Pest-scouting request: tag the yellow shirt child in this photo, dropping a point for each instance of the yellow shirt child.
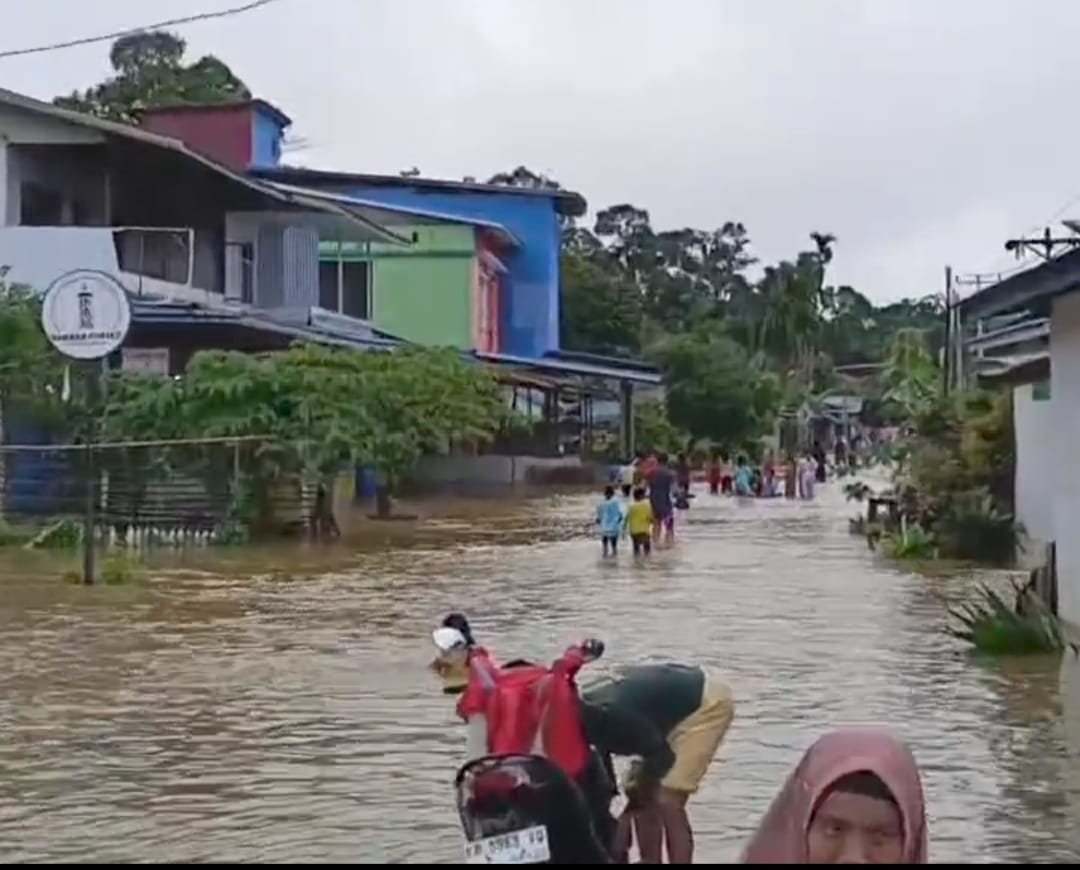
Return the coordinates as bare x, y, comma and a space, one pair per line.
639, 517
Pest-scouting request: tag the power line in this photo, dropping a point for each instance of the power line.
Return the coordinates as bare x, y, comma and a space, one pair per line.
158, 25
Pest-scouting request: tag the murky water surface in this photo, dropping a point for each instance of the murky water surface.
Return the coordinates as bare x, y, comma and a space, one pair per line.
275, 707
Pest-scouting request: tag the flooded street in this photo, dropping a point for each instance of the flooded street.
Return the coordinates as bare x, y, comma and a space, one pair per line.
289, 716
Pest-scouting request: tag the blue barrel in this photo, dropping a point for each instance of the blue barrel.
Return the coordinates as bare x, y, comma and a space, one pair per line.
366, 481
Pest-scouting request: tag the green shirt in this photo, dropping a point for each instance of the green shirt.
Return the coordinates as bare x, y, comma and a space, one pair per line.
633, 712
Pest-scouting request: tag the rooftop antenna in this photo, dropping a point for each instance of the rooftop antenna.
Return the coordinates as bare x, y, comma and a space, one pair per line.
292, 144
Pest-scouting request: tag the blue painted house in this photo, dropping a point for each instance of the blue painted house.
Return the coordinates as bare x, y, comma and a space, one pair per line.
491, 289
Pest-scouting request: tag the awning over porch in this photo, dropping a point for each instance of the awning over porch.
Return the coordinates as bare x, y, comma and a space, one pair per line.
1030, 368
599, 368
310, 327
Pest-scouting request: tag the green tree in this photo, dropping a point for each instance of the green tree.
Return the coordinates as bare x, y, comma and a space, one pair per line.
711, 390
321, 409
151, 73
600, 309
910, 377
654, 431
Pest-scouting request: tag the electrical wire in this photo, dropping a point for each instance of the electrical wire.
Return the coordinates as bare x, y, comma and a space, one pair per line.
158, 25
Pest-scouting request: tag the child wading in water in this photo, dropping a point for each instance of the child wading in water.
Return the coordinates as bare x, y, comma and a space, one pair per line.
609, 517
639, 522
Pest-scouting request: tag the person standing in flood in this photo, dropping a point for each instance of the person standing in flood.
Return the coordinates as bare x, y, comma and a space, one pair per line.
682, 476
744, 477
609, 519
661, 484
646, 465
791, 476
639, 521
715, 474
818, 453
807, 471
627, 473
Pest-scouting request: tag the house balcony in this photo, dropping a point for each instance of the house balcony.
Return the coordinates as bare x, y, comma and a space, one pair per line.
168, 225
153, 262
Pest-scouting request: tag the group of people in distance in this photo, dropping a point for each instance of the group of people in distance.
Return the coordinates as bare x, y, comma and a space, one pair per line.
651, 490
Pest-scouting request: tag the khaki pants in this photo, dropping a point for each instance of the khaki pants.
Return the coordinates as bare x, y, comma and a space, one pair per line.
697, 738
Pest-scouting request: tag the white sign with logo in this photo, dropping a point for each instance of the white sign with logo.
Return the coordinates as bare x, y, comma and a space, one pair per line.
86, 314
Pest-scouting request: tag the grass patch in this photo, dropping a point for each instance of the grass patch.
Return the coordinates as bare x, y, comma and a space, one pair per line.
991, 625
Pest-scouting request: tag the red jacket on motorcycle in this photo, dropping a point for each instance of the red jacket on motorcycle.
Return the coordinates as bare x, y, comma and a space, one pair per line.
529, 709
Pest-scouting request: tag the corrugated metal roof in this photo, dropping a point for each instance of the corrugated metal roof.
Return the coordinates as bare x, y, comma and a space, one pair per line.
190, 314
567, 201
577, 368
603, 360
1028, 290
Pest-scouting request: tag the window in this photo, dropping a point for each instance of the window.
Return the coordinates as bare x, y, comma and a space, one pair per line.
247, 272
344, 287
328, 284
354, 289
40, 206
1040, 392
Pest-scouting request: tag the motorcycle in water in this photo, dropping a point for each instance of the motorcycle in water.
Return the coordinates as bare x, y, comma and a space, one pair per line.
522, 809
534, 791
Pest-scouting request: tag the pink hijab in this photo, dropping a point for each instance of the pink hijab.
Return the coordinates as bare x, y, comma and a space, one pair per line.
781, 836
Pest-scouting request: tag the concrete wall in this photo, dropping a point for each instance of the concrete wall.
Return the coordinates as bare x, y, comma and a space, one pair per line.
490, 472
1036, 474
223, 133
266, 135
1065, 404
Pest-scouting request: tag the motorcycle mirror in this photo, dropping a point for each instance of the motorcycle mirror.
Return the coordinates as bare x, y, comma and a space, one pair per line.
448, 639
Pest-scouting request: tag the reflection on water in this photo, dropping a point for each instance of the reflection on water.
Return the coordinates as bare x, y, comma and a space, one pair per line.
275, 706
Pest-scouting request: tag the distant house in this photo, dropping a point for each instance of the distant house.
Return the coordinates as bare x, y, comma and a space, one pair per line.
1024, 334
480, 272
209, 256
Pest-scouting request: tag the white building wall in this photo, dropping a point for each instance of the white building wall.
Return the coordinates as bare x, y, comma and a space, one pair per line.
3, 182
18, 127
1065, 459
1033, 420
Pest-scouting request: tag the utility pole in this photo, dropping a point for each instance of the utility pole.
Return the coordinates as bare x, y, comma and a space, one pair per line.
1046, 246
947, 367
976, 280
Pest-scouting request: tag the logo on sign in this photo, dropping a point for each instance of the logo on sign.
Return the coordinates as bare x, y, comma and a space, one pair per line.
86, 314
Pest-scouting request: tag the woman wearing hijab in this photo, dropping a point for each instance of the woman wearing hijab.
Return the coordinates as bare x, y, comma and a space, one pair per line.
855, 798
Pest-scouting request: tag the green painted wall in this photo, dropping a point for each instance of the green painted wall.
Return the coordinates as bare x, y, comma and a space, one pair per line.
424, 299
420, 293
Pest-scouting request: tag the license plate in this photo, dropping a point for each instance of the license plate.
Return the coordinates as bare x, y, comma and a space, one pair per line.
529, 846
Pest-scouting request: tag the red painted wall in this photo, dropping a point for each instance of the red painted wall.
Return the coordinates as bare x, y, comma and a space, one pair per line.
489, 292
222, 133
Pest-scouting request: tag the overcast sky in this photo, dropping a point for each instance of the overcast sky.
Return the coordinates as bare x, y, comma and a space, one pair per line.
920, 133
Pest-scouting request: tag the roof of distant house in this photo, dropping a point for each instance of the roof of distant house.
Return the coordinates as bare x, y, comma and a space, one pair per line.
378, 211
567, 202
255, 103
1027, 291
127, 131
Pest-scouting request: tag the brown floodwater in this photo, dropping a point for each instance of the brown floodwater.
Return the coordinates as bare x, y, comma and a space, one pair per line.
274, 705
